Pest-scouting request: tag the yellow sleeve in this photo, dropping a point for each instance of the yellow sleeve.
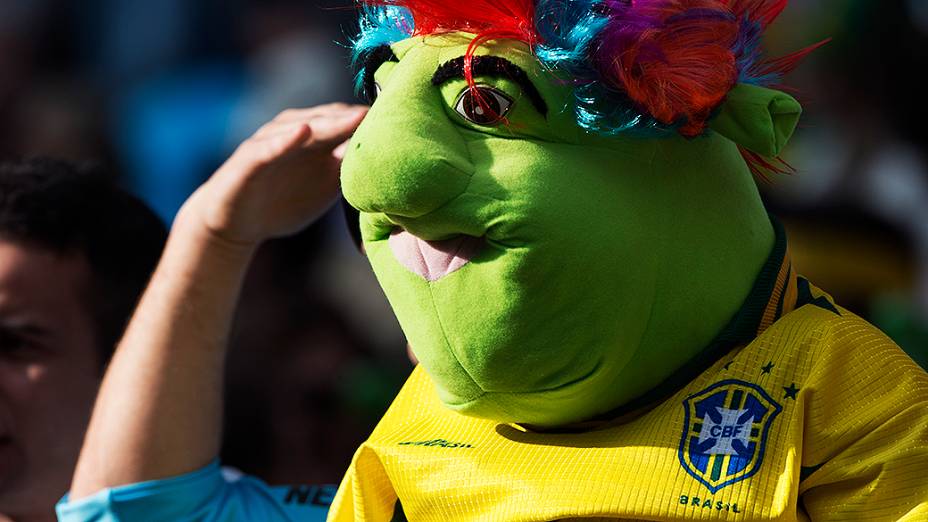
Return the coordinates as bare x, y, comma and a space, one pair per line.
378, 500
865, 453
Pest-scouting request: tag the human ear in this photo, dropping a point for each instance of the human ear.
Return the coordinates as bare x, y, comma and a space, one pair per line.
759, 119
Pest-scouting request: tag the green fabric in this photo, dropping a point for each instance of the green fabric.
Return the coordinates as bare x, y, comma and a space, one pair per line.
610, 262
759, 119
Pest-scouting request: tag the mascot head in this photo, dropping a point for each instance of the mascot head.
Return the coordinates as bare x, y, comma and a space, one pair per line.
557, 195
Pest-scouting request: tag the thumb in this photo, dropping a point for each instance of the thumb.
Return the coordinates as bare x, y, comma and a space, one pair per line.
339, 152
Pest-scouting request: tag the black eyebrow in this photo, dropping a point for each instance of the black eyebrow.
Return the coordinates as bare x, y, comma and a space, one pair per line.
372, 61
494, 67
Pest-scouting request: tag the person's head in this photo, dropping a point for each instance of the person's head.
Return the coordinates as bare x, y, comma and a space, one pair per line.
75, 254
557, 208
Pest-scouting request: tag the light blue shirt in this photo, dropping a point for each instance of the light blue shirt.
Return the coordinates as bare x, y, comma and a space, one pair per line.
211, 494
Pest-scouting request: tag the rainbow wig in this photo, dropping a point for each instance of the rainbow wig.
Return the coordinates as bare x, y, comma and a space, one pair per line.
652, 67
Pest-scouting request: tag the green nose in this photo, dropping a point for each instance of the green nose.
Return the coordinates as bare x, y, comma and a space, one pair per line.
407, 158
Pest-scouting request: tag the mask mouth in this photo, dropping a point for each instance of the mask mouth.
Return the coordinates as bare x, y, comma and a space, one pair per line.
433, 260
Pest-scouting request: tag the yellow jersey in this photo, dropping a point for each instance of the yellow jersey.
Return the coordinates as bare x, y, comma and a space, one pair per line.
799, 411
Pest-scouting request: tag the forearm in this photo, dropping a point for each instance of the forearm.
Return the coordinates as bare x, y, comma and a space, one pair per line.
159, 409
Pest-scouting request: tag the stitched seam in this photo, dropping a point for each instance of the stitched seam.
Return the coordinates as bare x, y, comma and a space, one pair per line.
447, 341
441, 325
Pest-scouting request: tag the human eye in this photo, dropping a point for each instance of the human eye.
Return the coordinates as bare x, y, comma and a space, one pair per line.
483, 105
16, 346
11, 343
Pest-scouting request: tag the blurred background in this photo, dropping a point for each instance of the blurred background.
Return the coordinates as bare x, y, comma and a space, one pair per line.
161, 92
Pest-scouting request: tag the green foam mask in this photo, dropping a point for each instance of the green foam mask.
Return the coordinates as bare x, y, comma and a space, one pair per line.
542, 274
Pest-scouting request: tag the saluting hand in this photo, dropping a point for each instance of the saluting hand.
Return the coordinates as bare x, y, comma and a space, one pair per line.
279, 180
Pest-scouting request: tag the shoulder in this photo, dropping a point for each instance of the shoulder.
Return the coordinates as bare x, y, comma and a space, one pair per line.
827, 334
845, 364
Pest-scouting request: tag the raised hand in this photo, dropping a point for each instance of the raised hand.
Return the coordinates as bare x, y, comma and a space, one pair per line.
159, 411
279, 180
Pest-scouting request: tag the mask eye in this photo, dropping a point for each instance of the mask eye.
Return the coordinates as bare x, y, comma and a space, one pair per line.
494, 107
372, 92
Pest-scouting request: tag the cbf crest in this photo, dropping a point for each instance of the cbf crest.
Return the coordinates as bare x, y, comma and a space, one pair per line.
725, 432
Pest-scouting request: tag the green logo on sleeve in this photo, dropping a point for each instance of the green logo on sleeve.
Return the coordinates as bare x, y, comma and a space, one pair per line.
437, 442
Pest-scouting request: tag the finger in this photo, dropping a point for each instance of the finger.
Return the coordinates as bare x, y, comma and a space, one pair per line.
288, 118
292, 115
339, 152
274, 131
292, 140
331, 132
303, 114
277, 127
266, 150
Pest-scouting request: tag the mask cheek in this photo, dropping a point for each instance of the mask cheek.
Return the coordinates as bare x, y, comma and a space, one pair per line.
414, 304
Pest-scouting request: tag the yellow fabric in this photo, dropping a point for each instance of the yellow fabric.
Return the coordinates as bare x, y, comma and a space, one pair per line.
852, 445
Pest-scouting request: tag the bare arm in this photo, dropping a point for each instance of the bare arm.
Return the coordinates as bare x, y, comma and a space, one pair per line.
159, 410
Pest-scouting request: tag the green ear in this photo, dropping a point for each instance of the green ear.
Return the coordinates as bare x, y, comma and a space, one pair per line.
759, 119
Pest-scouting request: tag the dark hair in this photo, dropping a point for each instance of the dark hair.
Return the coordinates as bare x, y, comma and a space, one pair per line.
74, 210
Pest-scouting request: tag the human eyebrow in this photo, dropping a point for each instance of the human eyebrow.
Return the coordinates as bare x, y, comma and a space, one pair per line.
372, 61
23, 326
494, 67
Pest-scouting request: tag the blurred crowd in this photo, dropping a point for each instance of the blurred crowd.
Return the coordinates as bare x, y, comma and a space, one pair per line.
857, 209
161, 92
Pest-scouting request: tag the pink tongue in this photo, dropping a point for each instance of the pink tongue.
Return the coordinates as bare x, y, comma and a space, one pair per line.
433, 259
